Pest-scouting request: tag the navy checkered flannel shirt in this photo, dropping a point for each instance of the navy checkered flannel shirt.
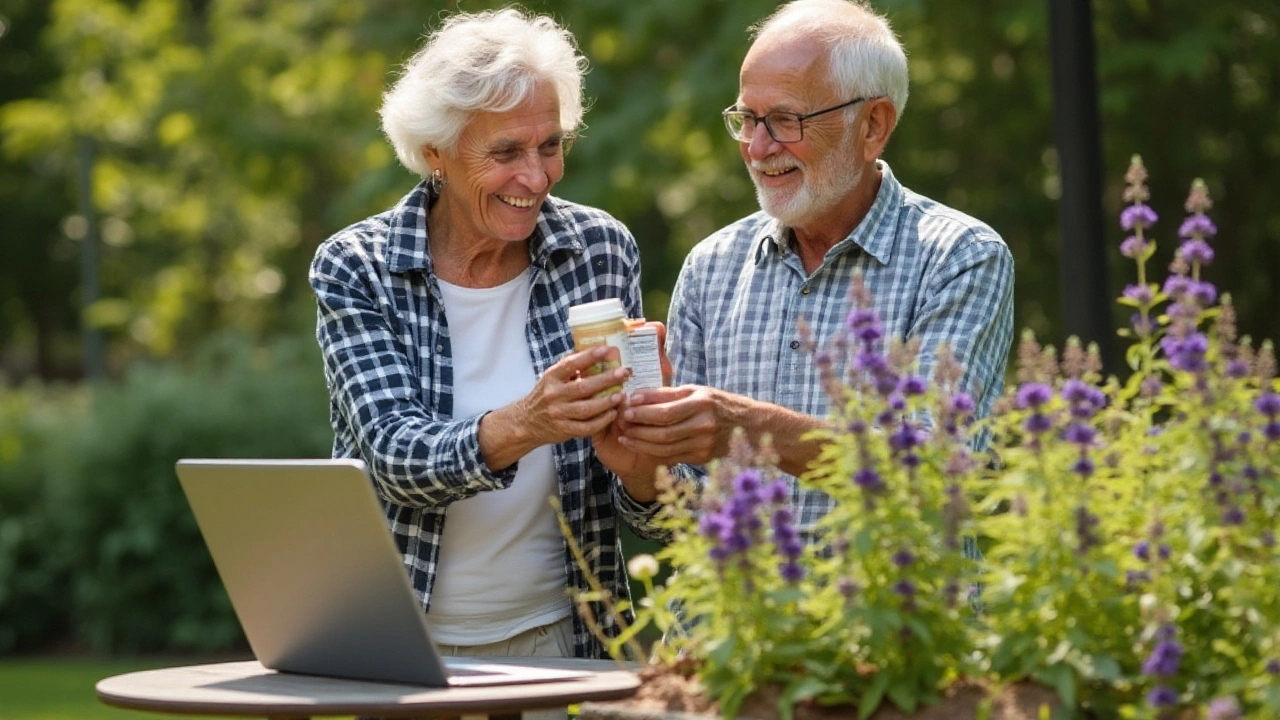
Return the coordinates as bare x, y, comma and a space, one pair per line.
388, 363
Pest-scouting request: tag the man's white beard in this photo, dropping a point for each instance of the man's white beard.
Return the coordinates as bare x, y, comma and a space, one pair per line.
823, 188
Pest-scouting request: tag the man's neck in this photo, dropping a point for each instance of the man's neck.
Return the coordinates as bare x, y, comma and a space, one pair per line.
812, 240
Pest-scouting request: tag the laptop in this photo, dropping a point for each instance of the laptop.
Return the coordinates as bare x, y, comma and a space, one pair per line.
314, 576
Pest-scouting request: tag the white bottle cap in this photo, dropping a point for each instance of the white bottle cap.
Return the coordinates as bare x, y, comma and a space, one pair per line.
598, 311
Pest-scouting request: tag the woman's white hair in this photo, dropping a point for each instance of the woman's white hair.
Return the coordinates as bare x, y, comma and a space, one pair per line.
865, 57
479, 62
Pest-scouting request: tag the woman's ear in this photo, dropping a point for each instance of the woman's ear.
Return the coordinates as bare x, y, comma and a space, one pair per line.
432, 156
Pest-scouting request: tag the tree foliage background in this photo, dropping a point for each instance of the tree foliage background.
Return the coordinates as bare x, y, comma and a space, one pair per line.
234, 135
229, 137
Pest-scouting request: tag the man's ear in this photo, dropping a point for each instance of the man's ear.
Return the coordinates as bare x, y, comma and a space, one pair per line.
881, 117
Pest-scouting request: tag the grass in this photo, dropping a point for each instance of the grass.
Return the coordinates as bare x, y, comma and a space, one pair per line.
62, 689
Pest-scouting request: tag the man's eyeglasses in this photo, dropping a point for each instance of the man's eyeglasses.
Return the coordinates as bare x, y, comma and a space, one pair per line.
785, 127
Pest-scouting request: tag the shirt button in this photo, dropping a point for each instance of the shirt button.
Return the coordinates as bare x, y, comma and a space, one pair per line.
795, 344
804, 290
439, 348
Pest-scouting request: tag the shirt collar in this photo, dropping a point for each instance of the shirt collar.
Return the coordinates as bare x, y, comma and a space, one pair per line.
869, 234
407, 242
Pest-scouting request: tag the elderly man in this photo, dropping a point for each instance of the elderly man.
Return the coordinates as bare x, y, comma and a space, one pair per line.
821, 89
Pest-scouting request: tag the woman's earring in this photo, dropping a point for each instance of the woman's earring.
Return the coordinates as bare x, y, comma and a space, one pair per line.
437, 181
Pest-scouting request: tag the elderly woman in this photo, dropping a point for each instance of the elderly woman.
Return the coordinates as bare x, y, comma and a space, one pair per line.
450, 365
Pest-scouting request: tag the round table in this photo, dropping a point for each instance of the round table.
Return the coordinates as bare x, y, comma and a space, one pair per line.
249, 689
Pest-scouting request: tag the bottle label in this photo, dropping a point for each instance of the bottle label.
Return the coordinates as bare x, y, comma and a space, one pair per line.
646, 360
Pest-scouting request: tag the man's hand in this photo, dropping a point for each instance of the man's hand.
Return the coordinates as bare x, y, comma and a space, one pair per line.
686, 424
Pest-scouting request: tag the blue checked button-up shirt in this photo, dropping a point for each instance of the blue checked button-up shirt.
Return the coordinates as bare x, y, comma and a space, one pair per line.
388, 363
936, 274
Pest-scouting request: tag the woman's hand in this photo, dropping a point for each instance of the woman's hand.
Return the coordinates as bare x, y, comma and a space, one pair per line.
563, 404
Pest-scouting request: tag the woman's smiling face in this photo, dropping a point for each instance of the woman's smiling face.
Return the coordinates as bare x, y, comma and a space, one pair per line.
502, 169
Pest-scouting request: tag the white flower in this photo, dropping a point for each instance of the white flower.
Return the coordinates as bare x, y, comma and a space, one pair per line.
642, 567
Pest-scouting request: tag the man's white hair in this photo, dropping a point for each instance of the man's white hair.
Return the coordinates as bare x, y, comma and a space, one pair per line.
865, 57
479, 62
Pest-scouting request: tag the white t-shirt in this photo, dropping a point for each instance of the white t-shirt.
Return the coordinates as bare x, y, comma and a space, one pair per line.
502, 557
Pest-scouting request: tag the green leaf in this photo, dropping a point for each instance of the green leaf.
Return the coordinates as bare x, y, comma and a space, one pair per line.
874, 695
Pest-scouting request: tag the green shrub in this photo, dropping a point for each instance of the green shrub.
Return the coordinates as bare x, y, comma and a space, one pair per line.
104, 539
34, 601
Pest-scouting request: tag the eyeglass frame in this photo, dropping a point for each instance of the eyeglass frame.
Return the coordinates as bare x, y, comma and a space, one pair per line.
768, 126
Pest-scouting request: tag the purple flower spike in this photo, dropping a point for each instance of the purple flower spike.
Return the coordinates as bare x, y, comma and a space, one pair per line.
1196, 251
1139, 216
776, 492
1197, 226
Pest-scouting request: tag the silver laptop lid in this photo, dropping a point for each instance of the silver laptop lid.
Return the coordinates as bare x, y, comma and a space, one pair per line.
315, 578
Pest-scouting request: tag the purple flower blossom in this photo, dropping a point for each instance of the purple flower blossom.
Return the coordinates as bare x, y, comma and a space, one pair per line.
1197, 226
905, 588
791, 572
1151, 386
906, 437
1196, 252
1237, 368
1273, 667
776, 492
871, 362
1268, 404
1139, 216
1037, 424
1079, 434
1033, 395
1233, 515
1133, 247
1162, 697
1175, 286
1203, 293
1164, 660
868, 479
847, 587
1084, 467
747, 482
1142, 550
912, 385
904, 558
1187, 353
1223, 708
1133, 579
1271, 430
1140, 294
961, 403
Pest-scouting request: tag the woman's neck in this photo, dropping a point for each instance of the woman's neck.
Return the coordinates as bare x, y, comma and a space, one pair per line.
468, 261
